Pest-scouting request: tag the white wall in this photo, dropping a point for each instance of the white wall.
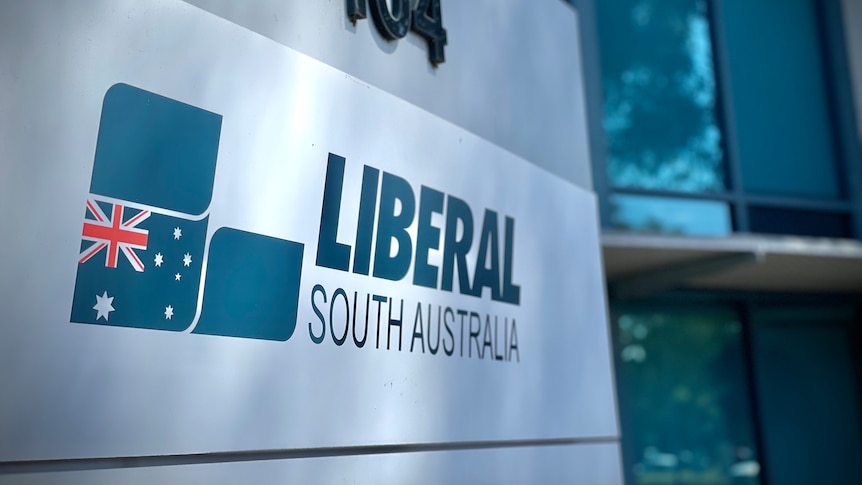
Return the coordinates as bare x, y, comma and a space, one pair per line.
512, 73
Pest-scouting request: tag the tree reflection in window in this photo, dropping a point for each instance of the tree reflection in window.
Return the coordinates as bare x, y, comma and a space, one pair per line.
659, 95
684, 401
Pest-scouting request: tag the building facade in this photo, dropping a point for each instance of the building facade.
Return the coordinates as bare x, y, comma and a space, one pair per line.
726, 156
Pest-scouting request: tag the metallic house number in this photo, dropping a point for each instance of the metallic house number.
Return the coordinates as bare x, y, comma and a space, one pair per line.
394, 23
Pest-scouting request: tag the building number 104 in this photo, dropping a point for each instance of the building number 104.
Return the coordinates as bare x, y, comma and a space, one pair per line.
394, 23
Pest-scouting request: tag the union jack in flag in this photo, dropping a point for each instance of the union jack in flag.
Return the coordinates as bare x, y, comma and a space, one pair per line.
155, 211
115, 234
150, 210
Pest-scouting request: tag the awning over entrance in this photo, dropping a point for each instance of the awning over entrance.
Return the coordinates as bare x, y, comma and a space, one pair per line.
640, 264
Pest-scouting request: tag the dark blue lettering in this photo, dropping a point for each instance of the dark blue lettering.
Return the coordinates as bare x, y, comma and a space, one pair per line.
511, 292
427, 237
315, 338
394, 226
484, 276
330, 253
365, 222
455, 250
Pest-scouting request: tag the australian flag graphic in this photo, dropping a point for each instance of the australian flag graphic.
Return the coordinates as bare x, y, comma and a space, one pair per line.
143, 238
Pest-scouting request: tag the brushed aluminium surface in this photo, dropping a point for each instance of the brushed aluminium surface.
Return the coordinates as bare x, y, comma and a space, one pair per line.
73, 390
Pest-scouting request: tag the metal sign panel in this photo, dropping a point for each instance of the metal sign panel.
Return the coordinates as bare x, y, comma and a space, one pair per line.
212, 242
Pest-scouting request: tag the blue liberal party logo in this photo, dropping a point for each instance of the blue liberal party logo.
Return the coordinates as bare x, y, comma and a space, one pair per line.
144, 237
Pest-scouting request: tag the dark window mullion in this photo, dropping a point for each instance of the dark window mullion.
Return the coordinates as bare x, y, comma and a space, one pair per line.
726, 117
718, 196
798, 203
744, 310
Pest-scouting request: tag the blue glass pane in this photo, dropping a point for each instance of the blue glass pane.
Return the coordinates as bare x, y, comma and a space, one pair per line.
670, 216
809, 399
770, 220
659, 95
684, 404
779, 98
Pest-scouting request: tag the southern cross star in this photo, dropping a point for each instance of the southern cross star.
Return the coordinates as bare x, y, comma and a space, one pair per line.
103, 306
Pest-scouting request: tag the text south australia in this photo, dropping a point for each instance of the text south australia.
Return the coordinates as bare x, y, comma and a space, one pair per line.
388, 322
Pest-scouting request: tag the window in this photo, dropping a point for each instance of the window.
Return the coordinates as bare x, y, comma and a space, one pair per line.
778, 89
808, 390
683, 395
719, 117
659, 90
743, 391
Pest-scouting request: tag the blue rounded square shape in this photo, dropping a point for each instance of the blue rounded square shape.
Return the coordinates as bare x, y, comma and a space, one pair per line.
252, 286
155, 150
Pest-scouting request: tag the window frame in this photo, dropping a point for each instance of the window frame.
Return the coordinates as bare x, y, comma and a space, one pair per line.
840, 110
744, 304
